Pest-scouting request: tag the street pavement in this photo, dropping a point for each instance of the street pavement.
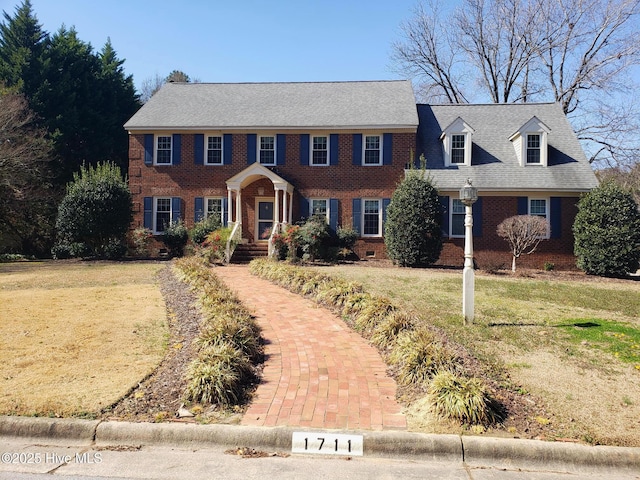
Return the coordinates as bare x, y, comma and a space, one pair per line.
171, 463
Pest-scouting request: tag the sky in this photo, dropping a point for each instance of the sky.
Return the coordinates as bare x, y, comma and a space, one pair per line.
237, 40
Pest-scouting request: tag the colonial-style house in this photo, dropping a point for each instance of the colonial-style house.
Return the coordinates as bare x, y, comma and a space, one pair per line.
264, 155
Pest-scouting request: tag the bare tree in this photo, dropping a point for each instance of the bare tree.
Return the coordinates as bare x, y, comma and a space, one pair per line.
152, 84
25, 195
574, 52
523, 233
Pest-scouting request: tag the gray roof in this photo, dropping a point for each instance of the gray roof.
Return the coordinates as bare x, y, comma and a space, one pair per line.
494, 165
374, 104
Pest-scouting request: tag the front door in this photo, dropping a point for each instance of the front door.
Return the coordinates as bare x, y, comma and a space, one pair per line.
264, 220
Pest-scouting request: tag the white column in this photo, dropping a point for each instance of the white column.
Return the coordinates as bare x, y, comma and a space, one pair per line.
468, 278
229, 209
276, 216
238, 206
285, 204
290, 207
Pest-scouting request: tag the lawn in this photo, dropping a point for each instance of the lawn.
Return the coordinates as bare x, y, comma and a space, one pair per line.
76, 336
569, 341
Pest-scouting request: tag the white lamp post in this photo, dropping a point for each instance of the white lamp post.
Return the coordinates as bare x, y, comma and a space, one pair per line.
468, 196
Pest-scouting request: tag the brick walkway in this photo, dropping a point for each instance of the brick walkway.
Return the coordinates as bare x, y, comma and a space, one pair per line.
318, 372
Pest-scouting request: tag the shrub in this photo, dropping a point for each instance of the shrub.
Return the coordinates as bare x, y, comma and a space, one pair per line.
314, 236
175, 238
215, 244
198, 234
466, 400
523, 233
412, 233
217, 375
94, 216
418, 355
607, 232
140, 239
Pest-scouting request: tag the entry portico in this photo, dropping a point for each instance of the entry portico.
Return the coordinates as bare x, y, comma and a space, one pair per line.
282, 201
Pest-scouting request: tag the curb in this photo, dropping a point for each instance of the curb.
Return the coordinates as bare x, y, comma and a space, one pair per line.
503, 453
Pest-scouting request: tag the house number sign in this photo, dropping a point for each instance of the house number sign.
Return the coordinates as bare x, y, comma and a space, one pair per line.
327, 443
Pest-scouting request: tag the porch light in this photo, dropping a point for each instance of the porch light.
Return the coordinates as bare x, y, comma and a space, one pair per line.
468, 196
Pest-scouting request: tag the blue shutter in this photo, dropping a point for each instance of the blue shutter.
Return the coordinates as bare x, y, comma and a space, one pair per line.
176, 209
304, 149
251, 148
556, 217
477, 218
176, 144
523, 205
227, 145
385, 205
281, 148
357, 149
333, 148
148, 212
304, 208
357, 214
199, 209
148, 149
444, 203
225, 213
387, 149
333, 214
198, 149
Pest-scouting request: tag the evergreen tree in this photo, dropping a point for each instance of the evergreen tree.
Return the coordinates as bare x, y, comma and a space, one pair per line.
412, 233
607, 232
94, 216
22, 43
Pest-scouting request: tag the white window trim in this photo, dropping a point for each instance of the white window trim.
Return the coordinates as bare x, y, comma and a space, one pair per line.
451, 213
206, 205
328, 202
362, 222
364, 144
155, 212
328, 137
275, 150
543, 149
155, 150
206, 149
547, 204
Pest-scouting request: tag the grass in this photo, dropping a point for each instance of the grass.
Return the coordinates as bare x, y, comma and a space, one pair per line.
76, 336
618, 339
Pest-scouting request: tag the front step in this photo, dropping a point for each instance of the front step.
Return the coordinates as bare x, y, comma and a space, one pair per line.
245, 252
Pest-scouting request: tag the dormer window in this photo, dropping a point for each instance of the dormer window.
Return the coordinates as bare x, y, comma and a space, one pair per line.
456, 143
530, 143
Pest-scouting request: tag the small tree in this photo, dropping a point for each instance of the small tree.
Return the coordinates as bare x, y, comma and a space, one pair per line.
412, 232
523, 233
607, 232
95, 214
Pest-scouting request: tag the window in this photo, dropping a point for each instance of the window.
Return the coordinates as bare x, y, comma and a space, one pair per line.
457, 217
539, 208
163, 150
372, 150
457, 149
162, 217
371, 218
214, 208
319, 206
267, 152
533, 149
214, 151
320, 151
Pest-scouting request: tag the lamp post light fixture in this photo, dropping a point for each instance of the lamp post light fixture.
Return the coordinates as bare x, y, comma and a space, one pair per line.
468, 196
